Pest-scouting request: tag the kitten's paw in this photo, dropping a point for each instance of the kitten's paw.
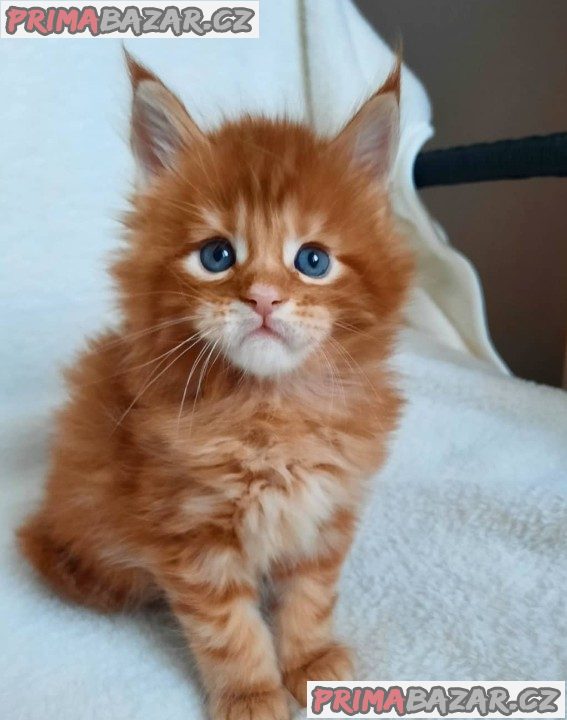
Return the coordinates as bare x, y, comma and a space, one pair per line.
271, 705
332, 663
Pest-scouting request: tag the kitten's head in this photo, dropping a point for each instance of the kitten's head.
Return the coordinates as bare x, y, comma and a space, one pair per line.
272, 243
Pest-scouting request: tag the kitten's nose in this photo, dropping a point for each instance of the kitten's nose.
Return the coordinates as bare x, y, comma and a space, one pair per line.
263, 299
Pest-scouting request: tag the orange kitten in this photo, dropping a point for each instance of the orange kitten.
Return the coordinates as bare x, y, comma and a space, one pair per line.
223, 435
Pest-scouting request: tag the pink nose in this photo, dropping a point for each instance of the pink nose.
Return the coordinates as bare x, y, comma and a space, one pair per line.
263, 299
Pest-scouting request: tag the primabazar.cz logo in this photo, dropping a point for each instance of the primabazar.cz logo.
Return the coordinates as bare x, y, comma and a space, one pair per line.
128, 18
372, 699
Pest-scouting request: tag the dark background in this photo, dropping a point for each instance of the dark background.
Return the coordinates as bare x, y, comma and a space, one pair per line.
497, 69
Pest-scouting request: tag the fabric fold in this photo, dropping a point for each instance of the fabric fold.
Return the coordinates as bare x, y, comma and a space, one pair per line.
344, 61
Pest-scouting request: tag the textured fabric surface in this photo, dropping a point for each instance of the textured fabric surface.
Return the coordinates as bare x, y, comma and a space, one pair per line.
459, 569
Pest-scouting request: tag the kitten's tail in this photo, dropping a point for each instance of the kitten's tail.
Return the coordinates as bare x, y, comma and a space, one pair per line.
78, 577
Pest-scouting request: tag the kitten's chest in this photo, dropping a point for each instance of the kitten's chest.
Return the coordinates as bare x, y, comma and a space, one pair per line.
277, 486
281, 512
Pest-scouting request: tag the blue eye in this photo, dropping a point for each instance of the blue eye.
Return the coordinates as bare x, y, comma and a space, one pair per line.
217, 255
312, 261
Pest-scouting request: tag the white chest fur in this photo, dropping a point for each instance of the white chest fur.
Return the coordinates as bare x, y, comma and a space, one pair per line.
275, 520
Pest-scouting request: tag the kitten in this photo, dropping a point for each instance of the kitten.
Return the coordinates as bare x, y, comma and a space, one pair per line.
224, 434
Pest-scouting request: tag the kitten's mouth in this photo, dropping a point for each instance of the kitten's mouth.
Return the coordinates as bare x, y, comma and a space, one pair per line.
268, 348
265, 332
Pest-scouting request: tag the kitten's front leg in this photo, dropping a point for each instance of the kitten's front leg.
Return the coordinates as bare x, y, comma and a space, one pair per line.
303, 619
217, 606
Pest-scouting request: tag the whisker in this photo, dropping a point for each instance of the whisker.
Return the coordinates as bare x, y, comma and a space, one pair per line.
346, 355
201, 377
147, 331
191, 372
343, 353
142, 365
241, 378
331, 376
151, 382
355, 330
337, 375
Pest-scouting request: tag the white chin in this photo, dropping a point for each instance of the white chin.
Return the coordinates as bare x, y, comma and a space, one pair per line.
265, 356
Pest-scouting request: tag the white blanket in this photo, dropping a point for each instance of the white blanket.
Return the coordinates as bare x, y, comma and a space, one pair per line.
460, 566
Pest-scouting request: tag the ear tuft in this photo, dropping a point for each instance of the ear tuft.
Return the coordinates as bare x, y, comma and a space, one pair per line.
136, 70
371, 137
393, 83
160, 125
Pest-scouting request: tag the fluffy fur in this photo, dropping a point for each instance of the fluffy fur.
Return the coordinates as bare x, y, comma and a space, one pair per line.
206, 447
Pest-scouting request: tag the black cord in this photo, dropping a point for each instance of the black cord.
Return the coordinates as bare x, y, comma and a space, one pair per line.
544, 156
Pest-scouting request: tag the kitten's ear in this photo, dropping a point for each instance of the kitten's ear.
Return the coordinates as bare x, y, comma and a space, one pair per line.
160, 124
371, 137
